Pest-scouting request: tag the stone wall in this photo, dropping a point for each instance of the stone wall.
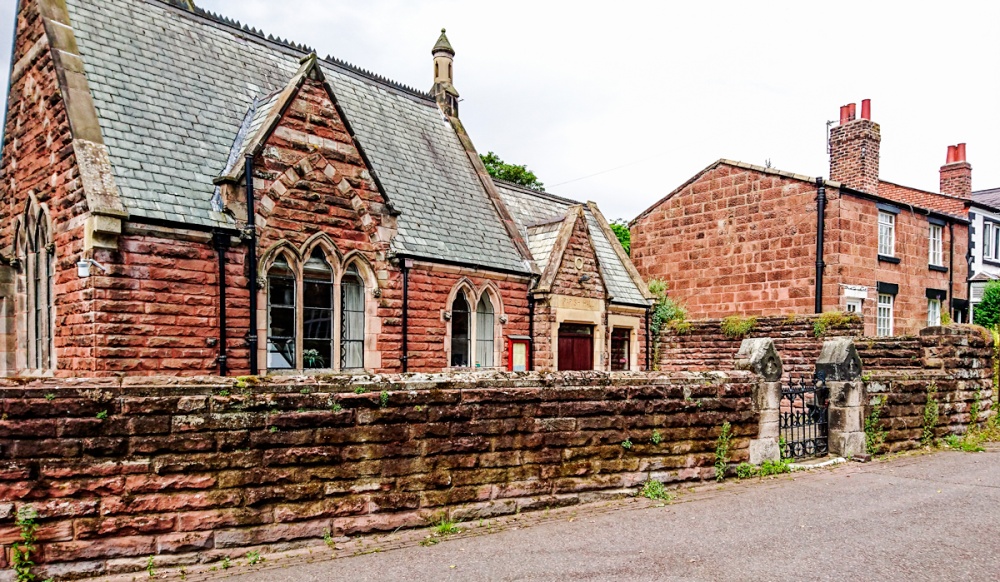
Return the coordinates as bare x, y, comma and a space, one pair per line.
190, 470
705, 347
953, 365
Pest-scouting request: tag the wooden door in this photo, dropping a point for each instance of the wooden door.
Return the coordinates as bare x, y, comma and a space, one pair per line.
576, 347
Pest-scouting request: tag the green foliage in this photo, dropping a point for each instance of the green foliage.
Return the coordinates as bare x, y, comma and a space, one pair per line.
336, 407
446, 527
226, 564
254, 558
50, 396
360, 390
656, 491
738, 326
931, 412
627, 444
987, 313
833, 320
620, 227
328, 539
20, 556
150, 563
102, 415
273, 429
312, 359
768, 468
722, 445
970, 443
513, 173
383, 399
657, 438
874, 431
665, 311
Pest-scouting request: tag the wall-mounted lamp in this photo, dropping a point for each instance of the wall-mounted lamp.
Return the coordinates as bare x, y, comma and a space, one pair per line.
83, 267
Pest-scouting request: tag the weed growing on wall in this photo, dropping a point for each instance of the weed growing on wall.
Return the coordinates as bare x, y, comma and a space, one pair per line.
738, 326
931, 412
874, 431
722, 445
833, 320
768, 468
20, 553
665, 311
656, 491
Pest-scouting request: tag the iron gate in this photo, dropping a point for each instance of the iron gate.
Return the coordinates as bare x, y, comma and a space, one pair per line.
804, 418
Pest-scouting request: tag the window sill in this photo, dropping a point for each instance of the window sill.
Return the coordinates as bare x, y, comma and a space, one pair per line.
938, 268
991, 262
887, 259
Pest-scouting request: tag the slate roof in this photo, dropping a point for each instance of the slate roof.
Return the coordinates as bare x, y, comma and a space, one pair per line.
535, 214
989, 197
173, 90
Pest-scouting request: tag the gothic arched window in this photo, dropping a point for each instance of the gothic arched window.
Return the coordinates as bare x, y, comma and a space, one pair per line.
352, 322
281, 323
484, 332
461, 331
39, 285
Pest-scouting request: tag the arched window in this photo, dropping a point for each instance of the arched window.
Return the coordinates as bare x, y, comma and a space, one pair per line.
281, 316
352, 323
40, 289
461, 331
437, 71
484, 332
317, 316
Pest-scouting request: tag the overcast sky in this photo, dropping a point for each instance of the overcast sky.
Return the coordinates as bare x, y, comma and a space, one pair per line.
621, 102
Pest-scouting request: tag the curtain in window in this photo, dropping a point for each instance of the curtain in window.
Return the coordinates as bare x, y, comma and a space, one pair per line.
484, 333
280, 316
352, 332
317, 317
460, 331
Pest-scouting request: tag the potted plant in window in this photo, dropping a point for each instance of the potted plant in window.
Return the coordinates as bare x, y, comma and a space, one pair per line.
312, 359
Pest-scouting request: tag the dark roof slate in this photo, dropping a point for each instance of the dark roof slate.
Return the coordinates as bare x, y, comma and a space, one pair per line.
173, 88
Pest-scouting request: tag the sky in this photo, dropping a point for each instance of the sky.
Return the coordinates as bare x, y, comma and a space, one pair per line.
622, 102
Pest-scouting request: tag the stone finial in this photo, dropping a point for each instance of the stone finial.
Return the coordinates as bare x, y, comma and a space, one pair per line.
443, 44
838, 360
759, 356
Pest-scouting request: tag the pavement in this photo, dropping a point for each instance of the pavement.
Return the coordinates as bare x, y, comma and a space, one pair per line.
915, 517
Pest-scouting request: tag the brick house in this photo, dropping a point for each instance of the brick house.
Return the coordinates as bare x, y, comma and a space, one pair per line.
984, 243
744, 239
368, 236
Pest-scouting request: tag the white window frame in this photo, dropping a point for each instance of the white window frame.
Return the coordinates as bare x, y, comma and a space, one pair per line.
935, 254
886, 234
855, 305
933, 312
884, 315
991, 241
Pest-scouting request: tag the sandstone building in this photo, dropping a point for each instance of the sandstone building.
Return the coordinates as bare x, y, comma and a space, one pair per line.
744, 239
183, 194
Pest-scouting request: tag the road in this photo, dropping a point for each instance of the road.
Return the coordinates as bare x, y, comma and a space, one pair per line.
923, 517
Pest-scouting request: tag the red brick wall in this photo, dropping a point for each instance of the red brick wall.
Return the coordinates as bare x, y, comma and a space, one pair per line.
38, 157
193, 472
733, 241
854, 154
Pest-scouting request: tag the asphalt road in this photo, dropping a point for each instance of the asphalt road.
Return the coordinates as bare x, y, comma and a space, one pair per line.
928, 517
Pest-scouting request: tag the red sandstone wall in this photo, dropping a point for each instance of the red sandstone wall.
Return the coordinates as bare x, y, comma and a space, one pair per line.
705, 348
853, 227
38, 157
733, 241
430, 286
214, 468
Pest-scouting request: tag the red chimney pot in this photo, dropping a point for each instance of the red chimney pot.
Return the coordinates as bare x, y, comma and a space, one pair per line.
866, 109
843, 114
951, 154
852, 111
960, 152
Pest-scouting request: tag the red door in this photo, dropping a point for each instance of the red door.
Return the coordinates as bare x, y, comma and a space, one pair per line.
576, 347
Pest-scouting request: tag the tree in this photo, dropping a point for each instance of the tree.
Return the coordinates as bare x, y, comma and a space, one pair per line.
624, 236
501, 170
987, 313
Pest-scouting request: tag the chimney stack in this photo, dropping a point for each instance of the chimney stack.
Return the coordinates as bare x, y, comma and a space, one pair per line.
444, 80
854, 149
956, 173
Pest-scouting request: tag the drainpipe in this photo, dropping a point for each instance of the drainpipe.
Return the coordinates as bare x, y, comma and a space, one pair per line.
252, 264
649, 347
820, 226
531, 325
407, 263
221, 244
951, 269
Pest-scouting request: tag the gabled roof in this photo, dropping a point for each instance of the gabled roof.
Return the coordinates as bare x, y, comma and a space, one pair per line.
173, 89
922, 199
540, 216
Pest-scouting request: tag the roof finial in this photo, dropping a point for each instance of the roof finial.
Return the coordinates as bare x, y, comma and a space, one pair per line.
443, 44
